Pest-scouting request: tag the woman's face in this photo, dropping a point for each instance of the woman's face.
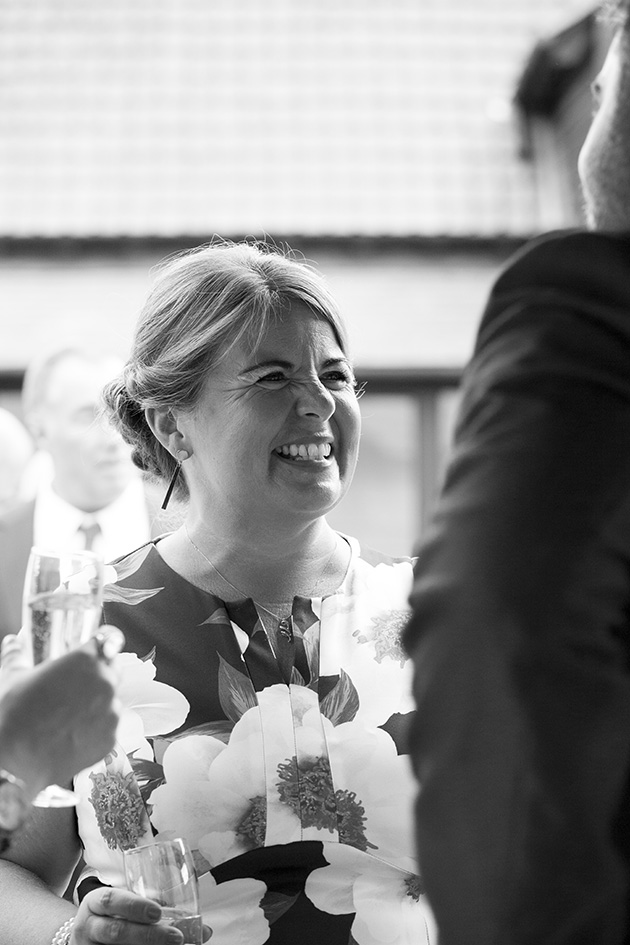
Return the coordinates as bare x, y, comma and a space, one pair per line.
275, 432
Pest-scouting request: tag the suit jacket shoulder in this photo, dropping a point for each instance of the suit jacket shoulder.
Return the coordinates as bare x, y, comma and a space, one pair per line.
560, 307
589, 271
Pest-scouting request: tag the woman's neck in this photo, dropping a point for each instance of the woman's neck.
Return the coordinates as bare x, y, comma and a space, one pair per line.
310, 562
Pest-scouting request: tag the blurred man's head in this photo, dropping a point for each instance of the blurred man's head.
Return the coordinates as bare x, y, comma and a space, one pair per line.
61, 402
604, 162
15, 452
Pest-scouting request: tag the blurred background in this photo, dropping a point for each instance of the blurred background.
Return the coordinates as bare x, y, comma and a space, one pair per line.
406, 147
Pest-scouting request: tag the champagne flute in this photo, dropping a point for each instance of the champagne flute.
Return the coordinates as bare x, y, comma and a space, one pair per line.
63, 593
165, 872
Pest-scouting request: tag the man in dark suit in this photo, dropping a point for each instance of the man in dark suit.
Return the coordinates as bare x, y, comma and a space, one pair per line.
521, 605
89, 494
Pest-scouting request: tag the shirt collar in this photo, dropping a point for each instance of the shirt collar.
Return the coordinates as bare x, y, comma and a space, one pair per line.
124, 522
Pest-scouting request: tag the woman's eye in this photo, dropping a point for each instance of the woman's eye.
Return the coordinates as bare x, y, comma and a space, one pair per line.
337, 380
333, 380
274, 379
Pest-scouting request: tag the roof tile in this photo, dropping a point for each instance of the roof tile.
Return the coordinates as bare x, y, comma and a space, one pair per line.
321, 117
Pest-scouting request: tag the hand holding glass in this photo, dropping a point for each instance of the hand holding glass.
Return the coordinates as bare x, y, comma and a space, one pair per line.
63, 593
165, 872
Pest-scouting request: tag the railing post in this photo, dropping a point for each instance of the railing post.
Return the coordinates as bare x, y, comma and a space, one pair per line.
429, 471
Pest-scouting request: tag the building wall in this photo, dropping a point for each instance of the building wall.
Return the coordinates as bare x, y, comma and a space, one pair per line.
406, 308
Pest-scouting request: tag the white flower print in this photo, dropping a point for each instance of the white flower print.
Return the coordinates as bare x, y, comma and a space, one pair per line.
361, 631
365, 765
232, 910
228, 799
216, 795
109, 575
383, 592
148, 707
216, 814
111, 813
389, 905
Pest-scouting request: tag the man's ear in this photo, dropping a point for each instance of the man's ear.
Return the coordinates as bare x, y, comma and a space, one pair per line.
164, 426
35, 423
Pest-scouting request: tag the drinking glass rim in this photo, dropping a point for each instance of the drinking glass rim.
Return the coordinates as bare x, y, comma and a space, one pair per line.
63, 552
157, 843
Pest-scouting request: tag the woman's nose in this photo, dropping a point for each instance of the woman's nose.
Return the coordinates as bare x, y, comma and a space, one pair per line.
313, 399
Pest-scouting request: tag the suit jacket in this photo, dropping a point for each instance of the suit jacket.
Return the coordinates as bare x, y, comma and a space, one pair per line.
521, 615
16, 540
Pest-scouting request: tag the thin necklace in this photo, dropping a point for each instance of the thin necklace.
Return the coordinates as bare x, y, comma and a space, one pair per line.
285, 624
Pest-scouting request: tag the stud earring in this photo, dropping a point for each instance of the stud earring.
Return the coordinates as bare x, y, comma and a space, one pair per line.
182, 455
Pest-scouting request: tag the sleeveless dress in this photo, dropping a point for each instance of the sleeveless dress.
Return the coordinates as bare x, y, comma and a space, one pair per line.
281, 761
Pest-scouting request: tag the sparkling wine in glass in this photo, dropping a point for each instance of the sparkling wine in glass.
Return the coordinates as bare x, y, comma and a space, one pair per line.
165, 872
63, 593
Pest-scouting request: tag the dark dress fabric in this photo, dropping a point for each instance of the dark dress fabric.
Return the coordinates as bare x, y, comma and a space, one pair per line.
521, 609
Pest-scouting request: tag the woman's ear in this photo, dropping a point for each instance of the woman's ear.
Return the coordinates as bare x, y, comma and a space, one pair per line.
164, 426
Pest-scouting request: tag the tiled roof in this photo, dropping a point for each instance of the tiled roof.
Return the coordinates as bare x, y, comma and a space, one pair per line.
317, 117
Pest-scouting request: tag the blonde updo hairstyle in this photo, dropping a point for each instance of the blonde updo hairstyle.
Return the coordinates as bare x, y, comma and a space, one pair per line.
202, 303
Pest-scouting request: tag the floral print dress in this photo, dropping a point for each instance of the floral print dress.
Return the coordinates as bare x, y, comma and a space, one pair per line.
280, 761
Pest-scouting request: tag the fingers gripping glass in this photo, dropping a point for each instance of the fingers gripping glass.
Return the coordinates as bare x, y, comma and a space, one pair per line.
63, 593
165, 872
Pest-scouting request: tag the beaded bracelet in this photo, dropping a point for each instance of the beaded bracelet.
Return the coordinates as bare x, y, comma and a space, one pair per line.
62, 935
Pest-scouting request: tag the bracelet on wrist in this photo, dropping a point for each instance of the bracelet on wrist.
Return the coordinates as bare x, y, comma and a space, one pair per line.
62, 935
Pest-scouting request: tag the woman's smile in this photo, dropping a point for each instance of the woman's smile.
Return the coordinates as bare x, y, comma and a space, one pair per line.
300, 452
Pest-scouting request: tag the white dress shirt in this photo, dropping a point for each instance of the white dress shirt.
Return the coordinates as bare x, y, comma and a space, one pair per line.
123, 525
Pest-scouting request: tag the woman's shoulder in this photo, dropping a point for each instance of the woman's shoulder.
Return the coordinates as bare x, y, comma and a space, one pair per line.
142, 576
143, 557
373, 557
137, 570
384, 578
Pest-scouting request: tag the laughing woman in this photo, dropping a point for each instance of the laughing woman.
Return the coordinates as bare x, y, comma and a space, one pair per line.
269, 641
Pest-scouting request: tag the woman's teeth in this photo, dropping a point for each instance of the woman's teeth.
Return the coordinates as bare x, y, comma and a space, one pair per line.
316, 451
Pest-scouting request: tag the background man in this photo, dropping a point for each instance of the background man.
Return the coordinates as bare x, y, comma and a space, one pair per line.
88, 492
521, 626
15, 452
